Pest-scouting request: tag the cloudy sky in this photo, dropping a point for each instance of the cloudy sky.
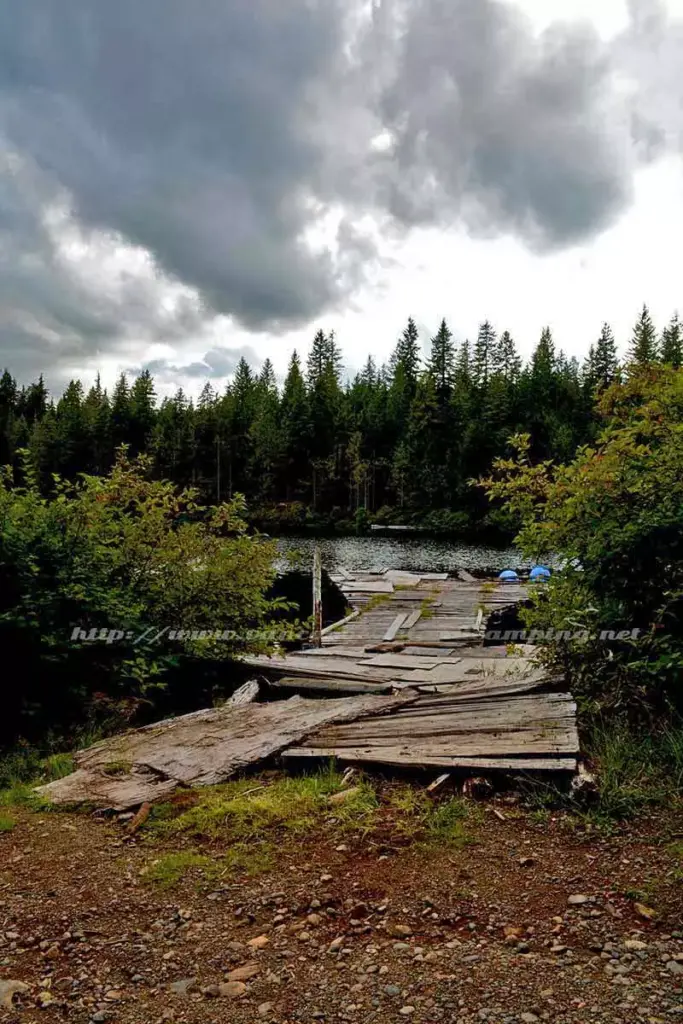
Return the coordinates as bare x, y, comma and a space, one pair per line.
185, 183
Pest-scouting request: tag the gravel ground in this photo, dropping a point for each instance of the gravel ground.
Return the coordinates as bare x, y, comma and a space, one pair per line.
532, 921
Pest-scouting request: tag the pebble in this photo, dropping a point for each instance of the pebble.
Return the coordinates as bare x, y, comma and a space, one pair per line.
183, 986
674, 967
406, 1011
243, 973
232, 989
577, 900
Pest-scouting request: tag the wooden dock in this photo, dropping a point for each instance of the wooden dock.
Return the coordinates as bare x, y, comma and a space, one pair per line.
421, 634
411, 687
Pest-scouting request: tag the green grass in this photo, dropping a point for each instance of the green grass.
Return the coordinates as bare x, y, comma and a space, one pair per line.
171, 868
248, 809
23, 769
238, 828
636, 768
420, 820
375, 601
6, 823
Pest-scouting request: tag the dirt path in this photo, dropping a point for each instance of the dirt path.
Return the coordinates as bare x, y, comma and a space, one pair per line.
345, 932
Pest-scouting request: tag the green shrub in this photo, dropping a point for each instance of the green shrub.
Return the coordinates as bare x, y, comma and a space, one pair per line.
124, 553
615, 515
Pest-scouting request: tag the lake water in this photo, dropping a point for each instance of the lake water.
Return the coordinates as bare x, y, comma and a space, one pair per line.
410, 553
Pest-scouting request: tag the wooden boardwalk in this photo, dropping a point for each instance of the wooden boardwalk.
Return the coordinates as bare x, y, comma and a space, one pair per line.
474, 706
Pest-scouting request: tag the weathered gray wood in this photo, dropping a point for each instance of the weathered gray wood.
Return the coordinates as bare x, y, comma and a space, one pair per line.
246, 694
395, 626
200, 749
522, 742
466, 576
428, 652
406, 661
368, 587
412, 620
342, 622
342, 687
398, 758
326, 667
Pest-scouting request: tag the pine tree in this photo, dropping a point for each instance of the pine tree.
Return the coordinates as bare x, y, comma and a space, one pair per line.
98, 419
295, 417
407, 355
32, 402
72, 443
543, 361
266, 435
442, 362
121, 412
605, 361
644, 348
463, 366
8, 417
672, 343
484, 356
510, 362
142, 412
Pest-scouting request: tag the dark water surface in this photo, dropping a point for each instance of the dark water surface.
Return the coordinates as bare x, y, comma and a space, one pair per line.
411, 553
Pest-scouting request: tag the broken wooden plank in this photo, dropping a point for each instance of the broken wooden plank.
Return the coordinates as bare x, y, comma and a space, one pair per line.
466, 576
403, 661
199, 749
342, 622
428, 652
368, 587
246, 694
341, 687
412, 620
395, 626
404, 759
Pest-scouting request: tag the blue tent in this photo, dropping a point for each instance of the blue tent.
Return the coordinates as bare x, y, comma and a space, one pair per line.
539, 572
509, 576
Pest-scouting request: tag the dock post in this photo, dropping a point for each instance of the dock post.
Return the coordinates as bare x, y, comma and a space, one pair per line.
317, 599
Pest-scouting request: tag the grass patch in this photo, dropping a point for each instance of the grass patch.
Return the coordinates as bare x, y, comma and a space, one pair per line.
375, 601
250, 820
23, 769
172, 868
420, 820
636, 768
6, 823
248, 809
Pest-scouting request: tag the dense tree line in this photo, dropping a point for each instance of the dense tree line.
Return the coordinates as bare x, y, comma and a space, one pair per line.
400, 441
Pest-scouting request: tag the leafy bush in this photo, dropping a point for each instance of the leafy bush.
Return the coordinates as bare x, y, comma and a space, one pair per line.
122, 553
615, 515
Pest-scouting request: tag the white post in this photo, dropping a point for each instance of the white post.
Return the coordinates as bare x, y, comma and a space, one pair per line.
317, 599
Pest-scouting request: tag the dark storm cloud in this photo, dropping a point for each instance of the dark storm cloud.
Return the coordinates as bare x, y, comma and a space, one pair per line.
185, 127
213, 134
500, 129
